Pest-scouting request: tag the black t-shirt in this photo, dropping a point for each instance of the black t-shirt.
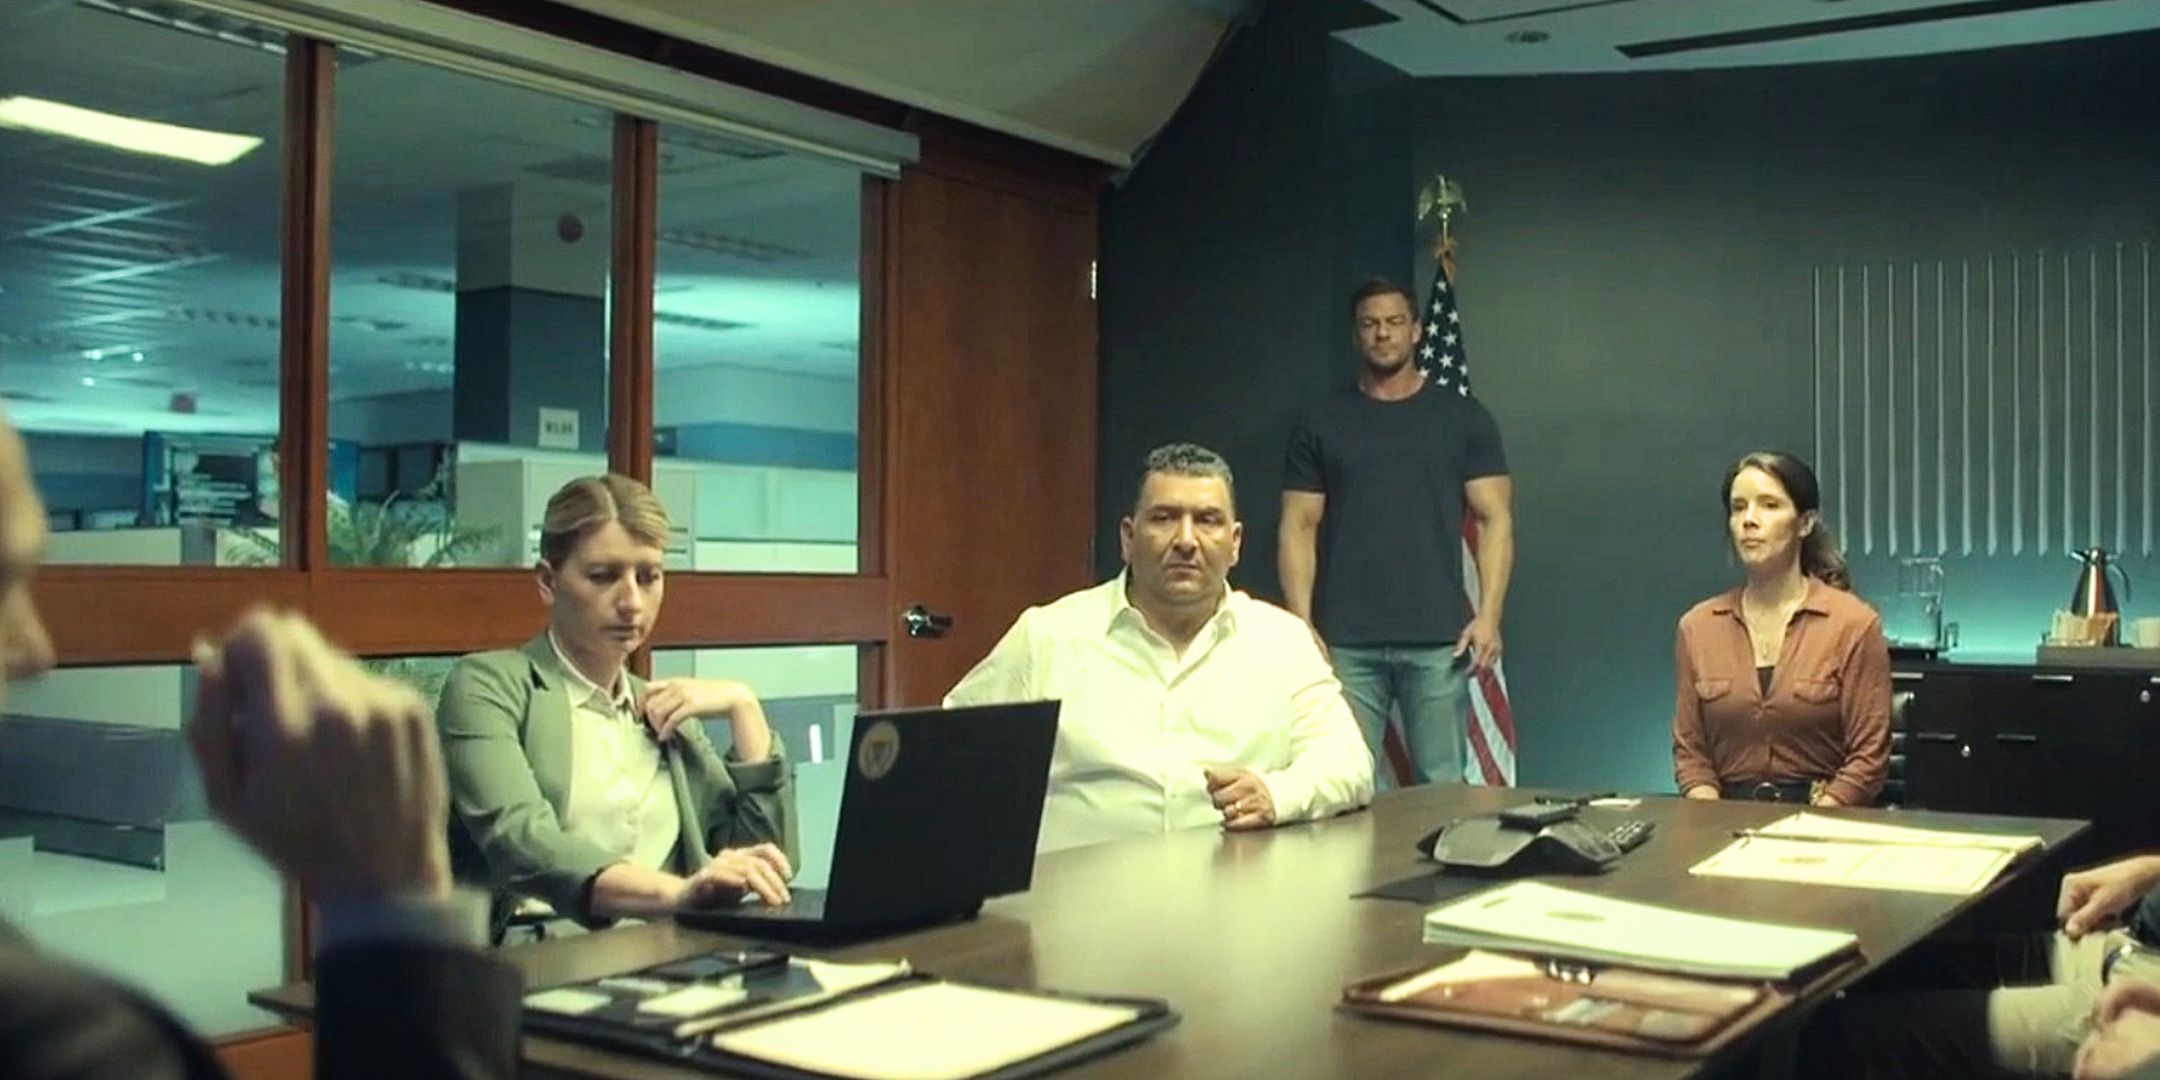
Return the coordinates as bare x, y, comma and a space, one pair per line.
1390, 561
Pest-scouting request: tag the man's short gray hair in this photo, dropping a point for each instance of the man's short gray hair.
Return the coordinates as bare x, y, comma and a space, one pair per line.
1186, 459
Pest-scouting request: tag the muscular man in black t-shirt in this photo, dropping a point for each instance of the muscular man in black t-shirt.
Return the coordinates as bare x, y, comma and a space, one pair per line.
1376, 484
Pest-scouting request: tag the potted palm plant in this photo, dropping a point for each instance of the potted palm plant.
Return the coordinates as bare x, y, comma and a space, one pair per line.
420, 533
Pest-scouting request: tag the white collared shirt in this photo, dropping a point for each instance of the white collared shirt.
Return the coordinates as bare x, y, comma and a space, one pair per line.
621, 796
1139, 723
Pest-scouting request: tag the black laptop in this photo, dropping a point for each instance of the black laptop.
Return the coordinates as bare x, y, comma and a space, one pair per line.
939, 812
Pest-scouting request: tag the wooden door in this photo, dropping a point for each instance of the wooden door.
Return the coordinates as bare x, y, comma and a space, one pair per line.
990, 472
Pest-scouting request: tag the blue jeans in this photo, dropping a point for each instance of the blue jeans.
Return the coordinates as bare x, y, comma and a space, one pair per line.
1428, 687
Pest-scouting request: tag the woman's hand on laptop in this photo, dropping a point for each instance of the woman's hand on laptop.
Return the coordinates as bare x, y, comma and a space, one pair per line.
760, 868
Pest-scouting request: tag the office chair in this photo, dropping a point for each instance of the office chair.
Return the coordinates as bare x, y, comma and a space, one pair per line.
1893, 792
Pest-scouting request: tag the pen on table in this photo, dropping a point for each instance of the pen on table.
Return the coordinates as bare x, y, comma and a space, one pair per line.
1416, 984
1759, 834
758, 1009
1576, 800
747, 961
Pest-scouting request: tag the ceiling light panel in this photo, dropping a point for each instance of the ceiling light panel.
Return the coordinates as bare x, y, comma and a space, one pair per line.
735, 246
132, 134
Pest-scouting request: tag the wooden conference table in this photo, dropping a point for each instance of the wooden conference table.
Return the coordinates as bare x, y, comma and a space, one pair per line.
1251, 936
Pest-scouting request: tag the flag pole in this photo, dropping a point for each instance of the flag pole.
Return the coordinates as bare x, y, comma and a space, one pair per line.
1490, 727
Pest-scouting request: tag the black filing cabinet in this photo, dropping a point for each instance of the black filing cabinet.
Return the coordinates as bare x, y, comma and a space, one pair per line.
2022, 739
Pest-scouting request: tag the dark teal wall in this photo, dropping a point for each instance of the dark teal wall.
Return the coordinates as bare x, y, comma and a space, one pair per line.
1635, 275
1228, 252
1636, 290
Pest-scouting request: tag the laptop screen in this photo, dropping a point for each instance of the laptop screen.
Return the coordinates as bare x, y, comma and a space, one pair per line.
941, 808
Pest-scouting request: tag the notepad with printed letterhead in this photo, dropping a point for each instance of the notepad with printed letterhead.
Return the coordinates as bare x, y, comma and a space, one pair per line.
1544, 920
1814, 849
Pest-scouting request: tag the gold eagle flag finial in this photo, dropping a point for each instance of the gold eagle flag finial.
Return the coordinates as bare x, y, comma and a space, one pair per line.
1442, 198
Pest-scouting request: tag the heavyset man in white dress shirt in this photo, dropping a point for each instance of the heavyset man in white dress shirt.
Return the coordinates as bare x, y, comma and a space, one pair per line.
1186, 703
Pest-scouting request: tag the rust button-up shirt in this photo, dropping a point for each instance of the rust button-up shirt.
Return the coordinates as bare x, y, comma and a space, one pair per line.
1826, 717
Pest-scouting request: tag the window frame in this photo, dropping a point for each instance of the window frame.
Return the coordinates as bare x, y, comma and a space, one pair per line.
370, 610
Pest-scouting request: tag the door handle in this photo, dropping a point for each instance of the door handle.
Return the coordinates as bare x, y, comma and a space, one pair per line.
2053, 677
1934, 736
2016, 737
921, 622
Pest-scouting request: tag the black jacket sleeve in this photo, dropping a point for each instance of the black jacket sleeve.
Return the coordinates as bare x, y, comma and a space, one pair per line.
423, 1012
382, 1010
59, 1022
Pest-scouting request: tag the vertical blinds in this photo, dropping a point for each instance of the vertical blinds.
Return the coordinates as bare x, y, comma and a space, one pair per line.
1995, 405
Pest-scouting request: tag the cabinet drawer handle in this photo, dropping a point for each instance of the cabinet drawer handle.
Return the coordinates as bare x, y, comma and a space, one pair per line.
2053, 677
1934, 736
2016, 737
1921, 676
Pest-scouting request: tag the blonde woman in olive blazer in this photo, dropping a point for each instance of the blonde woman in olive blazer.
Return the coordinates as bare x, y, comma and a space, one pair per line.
656, 818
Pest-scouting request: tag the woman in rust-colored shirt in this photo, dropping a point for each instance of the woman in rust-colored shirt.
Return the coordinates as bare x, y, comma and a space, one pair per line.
1783, 684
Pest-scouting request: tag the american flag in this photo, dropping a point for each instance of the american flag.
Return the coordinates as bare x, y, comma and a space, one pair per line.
1446, 362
